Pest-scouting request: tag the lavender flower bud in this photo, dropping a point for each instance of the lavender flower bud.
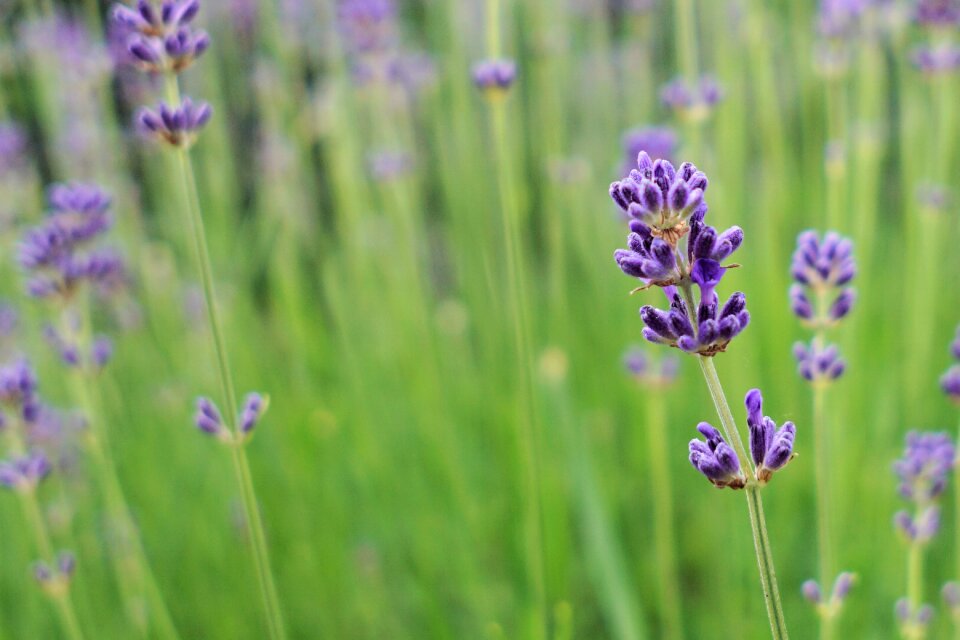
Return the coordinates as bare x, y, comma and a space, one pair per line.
817, 363
842, 305
950, 383
208, 418
924, 468
955, 345
66, 563
692, 102
101, 351
715, 459
821, 266
659, 142
253, 408
24, 473
177, 126
640, 366
770, 448
842, 586
811, 591
951, 598
42, 573
494, 77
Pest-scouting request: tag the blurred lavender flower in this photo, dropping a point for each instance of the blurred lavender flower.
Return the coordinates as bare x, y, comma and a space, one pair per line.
925, 465
649, 372
955, 345
771, 448
55, 255
8, 320
388, 165
936, 59
56, 580
840, 24
822, 268
912, 620
950, 383
818, 363
13, 147
937, 14
951, 598
658, 142
692, 101
18, 388
715, 459
177, 126
24, 473
209, 419
494, 77
367, 25
831, 607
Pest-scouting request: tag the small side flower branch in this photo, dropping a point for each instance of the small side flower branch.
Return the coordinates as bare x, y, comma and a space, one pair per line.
671, 247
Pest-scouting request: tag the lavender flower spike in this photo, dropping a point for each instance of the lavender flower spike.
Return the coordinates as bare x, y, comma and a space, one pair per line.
770, 448
494, 77
925, 465
177, 126
822, 270
209, 420
715, 459
818, 364
254, 406
950, 383
24, 473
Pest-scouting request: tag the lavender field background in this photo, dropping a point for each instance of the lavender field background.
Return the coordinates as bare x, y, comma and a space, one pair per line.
411, 255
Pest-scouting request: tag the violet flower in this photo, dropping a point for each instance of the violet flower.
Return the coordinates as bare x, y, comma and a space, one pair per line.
691, 101
771, 448
715, 459
649, 372
24, 473
210, 421
818, 364
177, 126
658, 142
937, 14
494, 77
822, 270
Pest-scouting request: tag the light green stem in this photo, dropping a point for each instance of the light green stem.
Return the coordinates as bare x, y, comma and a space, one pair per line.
822, 465
268, 589
664, 536
761, 541
915, 631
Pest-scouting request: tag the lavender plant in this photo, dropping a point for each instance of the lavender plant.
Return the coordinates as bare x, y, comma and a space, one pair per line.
950, 384
821, 297
22, 473
671, 247
164, 39
65, 266
654, 377
922, 473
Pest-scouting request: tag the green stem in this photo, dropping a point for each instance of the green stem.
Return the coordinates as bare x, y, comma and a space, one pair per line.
915, 589
822, 465
268, 590
761, 541
664, 536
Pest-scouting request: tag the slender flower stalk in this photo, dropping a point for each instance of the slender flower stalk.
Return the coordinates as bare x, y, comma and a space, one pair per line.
671, 247
494, 77
166, 41
821, 298
63, 265
923, 472
950, 384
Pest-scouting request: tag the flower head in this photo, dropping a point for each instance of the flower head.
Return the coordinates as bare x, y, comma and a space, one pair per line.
913, 620
691, 101
648, 371
367, 26
177, 126
150, 20
715, 459
937, 14
822, 270
210, 421
950, 383
494, 77
24, 473
818, 363
925, 466
771, 448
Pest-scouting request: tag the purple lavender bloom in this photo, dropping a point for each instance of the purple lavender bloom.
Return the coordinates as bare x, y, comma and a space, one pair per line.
811, 591
150, 20
950, 383
494, 77
937, 14
13, 147
208, 418
101, 351
822, 268
925, 465
955, 345
912, 620
840, 18
386, 166
951, 598
367, 26
18, 386
174, 52
8, 320
691, 101
715, 459
177, 126
938, 59
66, 563
658, 142
24, 473
818, 363
771, 448
919, 529
253, 408
842, 586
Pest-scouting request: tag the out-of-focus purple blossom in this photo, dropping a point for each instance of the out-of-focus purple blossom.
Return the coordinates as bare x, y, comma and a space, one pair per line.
912, 620
151, 19
811, 591
840, 18
8, 320
951, 598
658, 142
715, 459
494, 76
253, 408
937, 14
950, 383
925, 466
173, 52
650, 372
367, 25
955, 345
24, 473
18, 386
177, 126
67, 350
692, 101
386, 166
934, 198
208, 418
933, 60
829, 608
822, 270
771, 448
101, 351
818, 363
921, 528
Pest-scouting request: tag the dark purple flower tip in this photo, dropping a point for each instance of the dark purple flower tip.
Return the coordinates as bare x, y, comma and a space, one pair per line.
208, 418
636, 362
842, 305
811, 591
818, 362
727, 243
177, 126
658, 322
715, 459
18, 385
101, 351
799, 303
66, 563
42, 573
950, 383
253, 408
25, 472
903, 522
951, 596
707, 273
495, 76
754, 403
842, 586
